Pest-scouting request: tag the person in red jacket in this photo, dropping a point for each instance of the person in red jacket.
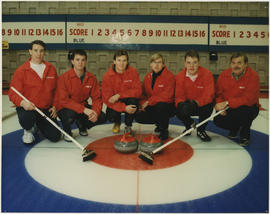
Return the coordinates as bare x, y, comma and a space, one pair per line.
156, 104
237, 87
74, 89
121, 90
36, 79
194, 94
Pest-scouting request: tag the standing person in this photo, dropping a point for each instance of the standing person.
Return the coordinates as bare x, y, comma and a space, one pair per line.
121, 90
74, 89
194, 94
156, 105
237, 87
36, 79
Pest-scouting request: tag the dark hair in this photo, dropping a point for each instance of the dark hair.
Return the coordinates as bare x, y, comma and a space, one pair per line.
37, 42
72, 53
239, 54
192, 54
120, 53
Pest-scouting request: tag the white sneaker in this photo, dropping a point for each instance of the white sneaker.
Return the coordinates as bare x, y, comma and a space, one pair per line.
83, 132
67, 139
28, 137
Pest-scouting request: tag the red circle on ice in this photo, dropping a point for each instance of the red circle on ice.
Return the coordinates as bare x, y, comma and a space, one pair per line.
174, 154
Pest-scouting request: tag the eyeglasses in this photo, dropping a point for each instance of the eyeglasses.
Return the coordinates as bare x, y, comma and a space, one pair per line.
157, 62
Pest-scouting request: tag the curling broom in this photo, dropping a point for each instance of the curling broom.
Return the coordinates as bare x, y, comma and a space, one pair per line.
87, 154
148, 157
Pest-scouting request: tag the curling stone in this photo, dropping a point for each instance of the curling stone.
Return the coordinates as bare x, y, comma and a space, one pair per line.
126, 143
150, 143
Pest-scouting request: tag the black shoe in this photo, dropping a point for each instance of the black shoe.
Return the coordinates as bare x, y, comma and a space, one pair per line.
232, 135
83, 132
203, 136
193, 125
129, 130
82, 128
244, 142
164, 135
244, 133
157, 130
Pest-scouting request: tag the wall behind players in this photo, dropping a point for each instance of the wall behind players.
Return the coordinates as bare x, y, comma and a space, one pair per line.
100, 60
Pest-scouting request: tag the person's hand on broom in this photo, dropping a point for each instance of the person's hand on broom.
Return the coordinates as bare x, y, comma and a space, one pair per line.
220, 106
28, 106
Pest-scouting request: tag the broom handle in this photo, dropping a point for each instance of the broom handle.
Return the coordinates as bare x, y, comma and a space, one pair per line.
47, 118
188, 131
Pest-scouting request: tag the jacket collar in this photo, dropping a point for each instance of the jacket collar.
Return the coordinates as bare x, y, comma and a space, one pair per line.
159, 73
198, 72
237, 77
73, 73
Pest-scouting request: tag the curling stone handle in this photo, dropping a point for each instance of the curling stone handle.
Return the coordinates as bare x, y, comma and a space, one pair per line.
189, 131
49, 119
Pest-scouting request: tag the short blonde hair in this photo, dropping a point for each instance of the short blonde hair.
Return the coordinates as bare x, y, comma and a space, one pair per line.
156, 56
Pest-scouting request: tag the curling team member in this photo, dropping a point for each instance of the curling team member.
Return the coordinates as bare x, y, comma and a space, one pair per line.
121, 90
36, 79
74, 89
156, 105
194, 93
238, 87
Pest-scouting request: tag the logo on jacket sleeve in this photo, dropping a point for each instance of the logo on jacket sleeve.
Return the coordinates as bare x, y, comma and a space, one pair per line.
88, 86
242, 87
160, 85
125, 81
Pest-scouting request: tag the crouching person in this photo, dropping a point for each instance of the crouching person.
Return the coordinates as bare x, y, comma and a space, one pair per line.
36, 80
121, 90
74, 89
156, 105
237, 87
194, 94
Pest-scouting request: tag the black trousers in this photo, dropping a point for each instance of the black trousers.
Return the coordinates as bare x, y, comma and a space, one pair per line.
236, 119
158, 114
69, 116
186, 109
28, 119
115, 116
